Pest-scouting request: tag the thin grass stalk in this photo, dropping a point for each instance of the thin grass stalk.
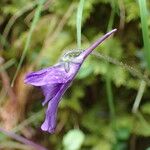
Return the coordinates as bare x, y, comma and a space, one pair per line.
139, 96
16, 16
3, 41
145, 31
79, 22
108, 74
28, 41
114, 61
6, 65
144, 18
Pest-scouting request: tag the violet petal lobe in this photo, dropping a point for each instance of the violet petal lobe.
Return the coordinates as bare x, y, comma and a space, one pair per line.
46, 76
50, 91
51, 113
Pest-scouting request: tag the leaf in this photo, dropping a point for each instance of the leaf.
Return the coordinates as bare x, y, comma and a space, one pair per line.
123, 133
103, 144
146, 108
120, 77
73, 139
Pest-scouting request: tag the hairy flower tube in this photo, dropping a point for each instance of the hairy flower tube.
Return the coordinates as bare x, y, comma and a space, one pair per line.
55, 80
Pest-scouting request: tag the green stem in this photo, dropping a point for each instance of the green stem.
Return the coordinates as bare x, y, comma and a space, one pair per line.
108, 76
144, 23
8, 64
139, 96
79, 22
110, 96
131, 69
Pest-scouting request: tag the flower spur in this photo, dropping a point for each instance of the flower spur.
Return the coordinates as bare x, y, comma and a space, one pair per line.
55, 80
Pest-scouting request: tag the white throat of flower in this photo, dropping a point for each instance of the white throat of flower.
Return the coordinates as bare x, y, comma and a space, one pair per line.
69, 57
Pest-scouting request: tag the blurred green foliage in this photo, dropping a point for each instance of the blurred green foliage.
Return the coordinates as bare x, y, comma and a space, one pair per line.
84, 105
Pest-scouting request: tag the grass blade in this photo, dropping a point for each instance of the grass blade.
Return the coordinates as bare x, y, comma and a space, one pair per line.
33, 25
139, 96
108, 74
144, 18
7, 65
144, 22
79, 22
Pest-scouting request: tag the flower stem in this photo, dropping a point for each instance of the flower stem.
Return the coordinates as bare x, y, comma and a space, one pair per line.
139, 96
79, 22
110, 96
109, 90
131, 69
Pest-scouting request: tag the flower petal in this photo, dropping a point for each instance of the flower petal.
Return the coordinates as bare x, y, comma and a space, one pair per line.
50, 91
50, 75
51, 113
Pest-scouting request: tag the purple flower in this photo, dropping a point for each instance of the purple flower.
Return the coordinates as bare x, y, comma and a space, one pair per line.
55, 80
